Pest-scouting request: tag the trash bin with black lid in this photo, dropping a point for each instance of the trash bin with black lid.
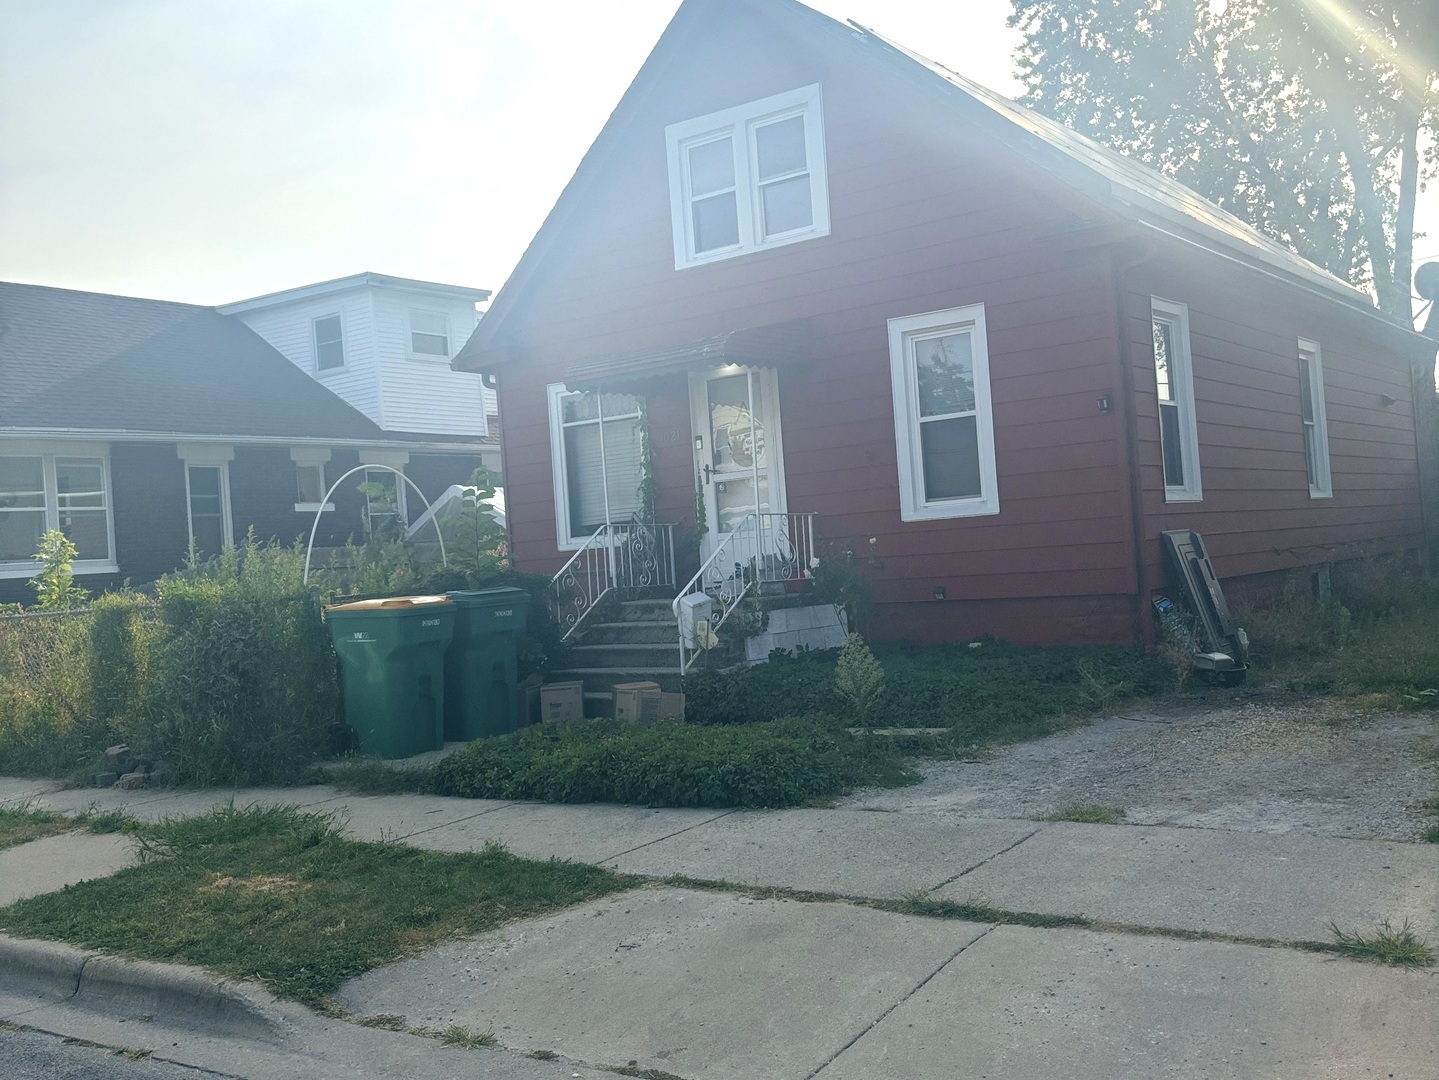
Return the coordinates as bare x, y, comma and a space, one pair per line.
392, 665
481, 676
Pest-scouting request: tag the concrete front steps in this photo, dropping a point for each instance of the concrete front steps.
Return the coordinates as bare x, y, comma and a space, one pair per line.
637, 641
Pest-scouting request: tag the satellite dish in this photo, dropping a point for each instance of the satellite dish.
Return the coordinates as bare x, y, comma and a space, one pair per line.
1426, 281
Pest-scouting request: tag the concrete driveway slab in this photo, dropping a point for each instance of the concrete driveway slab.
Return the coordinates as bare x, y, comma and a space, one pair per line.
845, 851
594, 833
17, 791
399, 817
693, 983
1075, 1005
1291, 886
53, 862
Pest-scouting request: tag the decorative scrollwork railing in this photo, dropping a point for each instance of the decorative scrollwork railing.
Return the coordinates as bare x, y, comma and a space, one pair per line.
762, 548
627, 556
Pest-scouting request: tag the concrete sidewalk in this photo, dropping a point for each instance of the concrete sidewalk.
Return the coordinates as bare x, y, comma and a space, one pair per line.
713, 984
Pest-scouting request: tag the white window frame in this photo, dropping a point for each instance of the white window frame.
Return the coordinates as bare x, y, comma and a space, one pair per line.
306, 457
904, 382
401, 507
315, 343
1181, 363
410, 331
1322, 486
739, 123
227, 522
29, 568
556, 393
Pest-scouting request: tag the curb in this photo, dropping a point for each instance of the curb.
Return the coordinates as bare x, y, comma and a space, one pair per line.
188, 997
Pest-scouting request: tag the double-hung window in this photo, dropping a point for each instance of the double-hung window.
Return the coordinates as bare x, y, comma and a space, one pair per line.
748, 178
207, 492
597, 450
385, 512
1174, 382
1315, 425
429, 334
329, 343
943, 419
40, 492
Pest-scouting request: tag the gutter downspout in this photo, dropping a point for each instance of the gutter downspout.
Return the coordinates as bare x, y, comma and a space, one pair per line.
1144, 627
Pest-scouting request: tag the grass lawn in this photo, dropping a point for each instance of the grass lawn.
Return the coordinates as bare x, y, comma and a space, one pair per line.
18, 826
280, 896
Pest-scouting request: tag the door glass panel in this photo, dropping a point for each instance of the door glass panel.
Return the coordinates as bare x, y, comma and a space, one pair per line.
735, 498
786, 205
737, 432
780, 147
945, 367
950, 451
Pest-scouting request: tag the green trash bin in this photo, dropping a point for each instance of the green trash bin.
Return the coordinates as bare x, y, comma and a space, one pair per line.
392, 664
481, 683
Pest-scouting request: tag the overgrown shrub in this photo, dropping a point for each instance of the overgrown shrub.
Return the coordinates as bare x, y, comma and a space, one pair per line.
785, 762
227, 675
979, 690
859, 678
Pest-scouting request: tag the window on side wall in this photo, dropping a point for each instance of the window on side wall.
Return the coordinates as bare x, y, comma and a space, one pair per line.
40, 492
596, 452
1174, 384
943, 421
329, 343
1312, 418
429, 334
207, 492
748, 178
385, 511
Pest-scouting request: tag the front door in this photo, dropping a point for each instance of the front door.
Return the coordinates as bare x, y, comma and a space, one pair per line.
738, 456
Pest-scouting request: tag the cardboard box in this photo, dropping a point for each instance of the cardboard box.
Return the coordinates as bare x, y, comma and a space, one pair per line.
638, 702
527, 709
562, 702
672, 706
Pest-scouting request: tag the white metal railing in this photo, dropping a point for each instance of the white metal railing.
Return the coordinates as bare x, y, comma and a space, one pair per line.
631, 555
762, 548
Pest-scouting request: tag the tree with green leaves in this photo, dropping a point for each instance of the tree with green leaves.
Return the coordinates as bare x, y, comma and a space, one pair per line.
1313, 120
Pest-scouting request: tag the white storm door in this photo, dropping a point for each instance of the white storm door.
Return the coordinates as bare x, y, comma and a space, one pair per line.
739, 463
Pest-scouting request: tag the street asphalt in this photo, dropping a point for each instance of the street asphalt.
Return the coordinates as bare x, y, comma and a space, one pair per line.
710, 983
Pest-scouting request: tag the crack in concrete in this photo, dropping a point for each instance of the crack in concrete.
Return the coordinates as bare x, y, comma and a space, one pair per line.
660, 839
457, 821
885, 1015
984, 861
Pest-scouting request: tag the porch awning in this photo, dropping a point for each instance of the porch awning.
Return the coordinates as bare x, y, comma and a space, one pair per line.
760, 346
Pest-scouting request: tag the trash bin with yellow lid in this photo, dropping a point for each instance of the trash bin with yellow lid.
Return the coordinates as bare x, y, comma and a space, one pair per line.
392, 665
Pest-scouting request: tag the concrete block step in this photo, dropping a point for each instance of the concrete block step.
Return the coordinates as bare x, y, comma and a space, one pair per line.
637, 632
627, 654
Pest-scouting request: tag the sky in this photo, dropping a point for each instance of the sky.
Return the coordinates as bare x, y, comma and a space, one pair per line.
211, 151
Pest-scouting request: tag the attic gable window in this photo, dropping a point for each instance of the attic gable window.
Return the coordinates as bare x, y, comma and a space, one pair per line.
748, 178
329, 343
429, 334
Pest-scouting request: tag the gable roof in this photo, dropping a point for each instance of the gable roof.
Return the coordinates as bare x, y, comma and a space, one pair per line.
366, 279
84, 361
1128, 189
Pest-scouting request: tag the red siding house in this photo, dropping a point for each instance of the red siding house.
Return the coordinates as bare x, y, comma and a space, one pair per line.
806, 281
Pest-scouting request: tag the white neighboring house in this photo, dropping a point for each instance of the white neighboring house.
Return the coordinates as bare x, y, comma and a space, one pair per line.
383, 344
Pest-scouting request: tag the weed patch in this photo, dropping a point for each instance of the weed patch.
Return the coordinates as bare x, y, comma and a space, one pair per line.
789, 762
20, 826
280, 896
1087, 813
1401, 947
982, 692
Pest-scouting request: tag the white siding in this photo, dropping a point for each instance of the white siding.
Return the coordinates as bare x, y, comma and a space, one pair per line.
421, 393
288, 327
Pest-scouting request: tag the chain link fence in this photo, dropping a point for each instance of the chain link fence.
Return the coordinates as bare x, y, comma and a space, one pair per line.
33, 642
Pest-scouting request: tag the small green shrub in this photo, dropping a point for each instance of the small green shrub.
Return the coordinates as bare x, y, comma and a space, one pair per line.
55, 584
781, 763
859, 678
